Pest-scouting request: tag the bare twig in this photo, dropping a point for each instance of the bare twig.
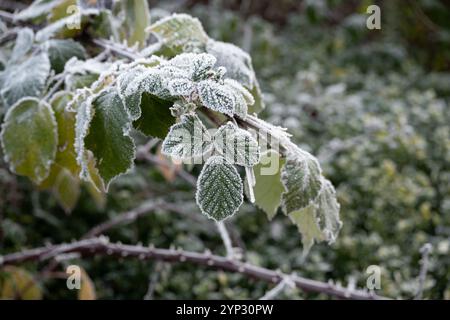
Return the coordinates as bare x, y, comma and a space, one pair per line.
102, 246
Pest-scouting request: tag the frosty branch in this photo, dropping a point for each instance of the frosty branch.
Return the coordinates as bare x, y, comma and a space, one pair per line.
102, 246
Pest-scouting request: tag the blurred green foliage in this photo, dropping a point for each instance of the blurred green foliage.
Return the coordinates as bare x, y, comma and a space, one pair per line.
372, 104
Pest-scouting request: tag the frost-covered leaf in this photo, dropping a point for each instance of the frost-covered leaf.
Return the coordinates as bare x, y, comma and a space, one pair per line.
237, 62
320, 220
194, 65
37, 8
18, 283
248, 97
107, 137
29, 138
179, 33
23, 45
236, 145
301, 177
137, 18
136, 81
239, 67
187, 139
155, 119
216, 97
181, 87
67, 27
26, 79
219, 189
61, 51
268, 188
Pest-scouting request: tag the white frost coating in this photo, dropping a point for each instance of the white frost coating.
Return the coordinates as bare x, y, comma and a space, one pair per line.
248, 97
237, 145
25, 79
195, 65
24, 42
76, 66
237, 62
84, 116
187, 139
181, 87
219, 189
216, 97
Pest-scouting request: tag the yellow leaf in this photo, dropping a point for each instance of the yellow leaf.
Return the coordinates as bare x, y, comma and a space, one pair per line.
17, 283
87, 290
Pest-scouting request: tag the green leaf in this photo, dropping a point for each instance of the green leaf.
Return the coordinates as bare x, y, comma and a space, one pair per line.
268, 188
219, 189
60, 51
65, 155
320, 220
23, 45
301, 177
187, 139
179, 33
66, 190
216, 97
137, 18
29, 138
107, 137
26, 79
156, 118
236, 145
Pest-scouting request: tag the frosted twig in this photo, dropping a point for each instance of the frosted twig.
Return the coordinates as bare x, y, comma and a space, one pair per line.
424, 262
100, 246
279, 288
226, 239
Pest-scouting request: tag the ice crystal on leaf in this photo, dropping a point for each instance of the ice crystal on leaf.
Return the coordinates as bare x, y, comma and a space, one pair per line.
237, 145
187, 139
301, 177
216, 97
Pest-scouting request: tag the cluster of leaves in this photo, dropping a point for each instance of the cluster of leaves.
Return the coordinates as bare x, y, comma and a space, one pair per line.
84, 133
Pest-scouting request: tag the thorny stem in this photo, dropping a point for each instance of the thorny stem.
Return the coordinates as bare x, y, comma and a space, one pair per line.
102, 246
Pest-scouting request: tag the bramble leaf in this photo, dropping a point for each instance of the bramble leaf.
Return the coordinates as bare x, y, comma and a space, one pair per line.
301, 177
29, 138
26, 79
216, 97
108, 137
219, 189
236, 145
187, 139
23, 45
179, 33
320, 220
268, 188
137, 18
61, 51
155, 119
